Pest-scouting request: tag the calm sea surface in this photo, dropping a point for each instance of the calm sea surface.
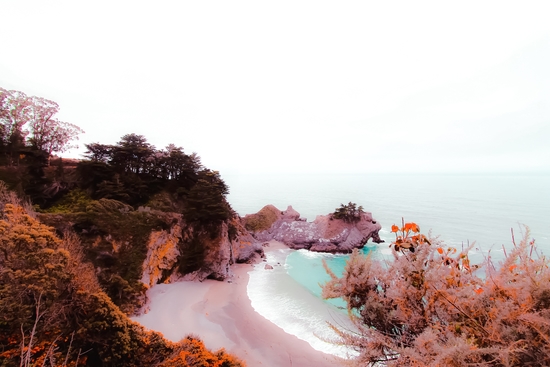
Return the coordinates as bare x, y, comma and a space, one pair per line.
460, 209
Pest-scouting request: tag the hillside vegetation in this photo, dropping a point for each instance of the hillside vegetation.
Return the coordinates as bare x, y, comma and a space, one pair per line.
74, 252
53, 310
121, 194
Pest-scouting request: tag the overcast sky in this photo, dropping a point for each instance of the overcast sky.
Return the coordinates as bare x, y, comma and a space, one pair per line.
296, 86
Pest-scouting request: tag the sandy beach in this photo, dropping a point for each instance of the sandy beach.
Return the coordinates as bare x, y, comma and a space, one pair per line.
221, 314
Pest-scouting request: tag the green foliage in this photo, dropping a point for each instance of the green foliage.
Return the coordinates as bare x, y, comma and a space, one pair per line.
12, 176
75, 201
115, 180
164, 201
98, 200
92, 173
114, 239
52, 310
348, 213
116, 243
133, 171
205, 201
83, 291
32, 262
262, 220
193, 256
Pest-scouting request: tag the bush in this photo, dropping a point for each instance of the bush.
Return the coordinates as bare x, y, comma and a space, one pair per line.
348, 213
53, 310
74, 202
431, 307
262, 220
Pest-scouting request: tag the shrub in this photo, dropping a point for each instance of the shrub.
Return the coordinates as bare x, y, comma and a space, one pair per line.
431, 307
348, 213
53, 312
262, 220
75, 201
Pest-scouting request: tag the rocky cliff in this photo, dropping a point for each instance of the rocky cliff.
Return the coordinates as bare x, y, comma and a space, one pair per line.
185, 252
233, 244
324, 234
132, 250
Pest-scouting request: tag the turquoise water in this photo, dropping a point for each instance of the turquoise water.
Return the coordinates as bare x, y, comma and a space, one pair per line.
306, 268
278, 297
460, 209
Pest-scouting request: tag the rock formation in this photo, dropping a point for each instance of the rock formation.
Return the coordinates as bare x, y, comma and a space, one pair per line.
324, 234
161, 246
235, 245
166, 248
162, 254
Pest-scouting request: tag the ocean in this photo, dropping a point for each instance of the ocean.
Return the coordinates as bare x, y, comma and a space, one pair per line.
459, 209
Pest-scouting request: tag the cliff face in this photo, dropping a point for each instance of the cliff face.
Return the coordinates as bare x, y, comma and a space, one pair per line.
172, 252
162, 254
132, 250
324, 234
234, 244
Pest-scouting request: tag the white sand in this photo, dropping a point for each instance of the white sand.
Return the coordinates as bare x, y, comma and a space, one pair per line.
220, 313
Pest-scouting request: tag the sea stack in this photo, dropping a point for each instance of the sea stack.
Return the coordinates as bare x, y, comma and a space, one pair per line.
324, 234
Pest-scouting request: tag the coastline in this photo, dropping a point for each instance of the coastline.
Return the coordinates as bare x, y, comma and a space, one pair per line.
221, 314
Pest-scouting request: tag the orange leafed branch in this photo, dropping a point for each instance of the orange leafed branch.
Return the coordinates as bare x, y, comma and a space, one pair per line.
432, 306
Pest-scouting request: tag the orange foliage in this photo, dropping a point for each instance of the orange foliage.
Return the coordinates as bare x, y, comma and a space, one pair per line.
192, 352
405, 240
52, 309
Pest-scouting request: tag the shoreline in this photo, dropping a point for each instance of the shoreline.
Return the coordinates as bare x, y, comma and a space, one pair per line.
221, 314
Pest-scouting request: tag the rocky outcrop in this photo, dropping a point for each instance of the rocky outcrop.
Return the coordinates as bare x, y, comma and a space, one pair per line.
168, 251
134, 249
233, 245
324, 234
160, 246
266, 218
162, 254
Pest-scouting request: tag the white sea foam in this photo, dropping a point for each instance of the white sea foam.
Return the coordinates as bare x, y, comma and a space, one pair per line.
315, 255
384, 231
281, 300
